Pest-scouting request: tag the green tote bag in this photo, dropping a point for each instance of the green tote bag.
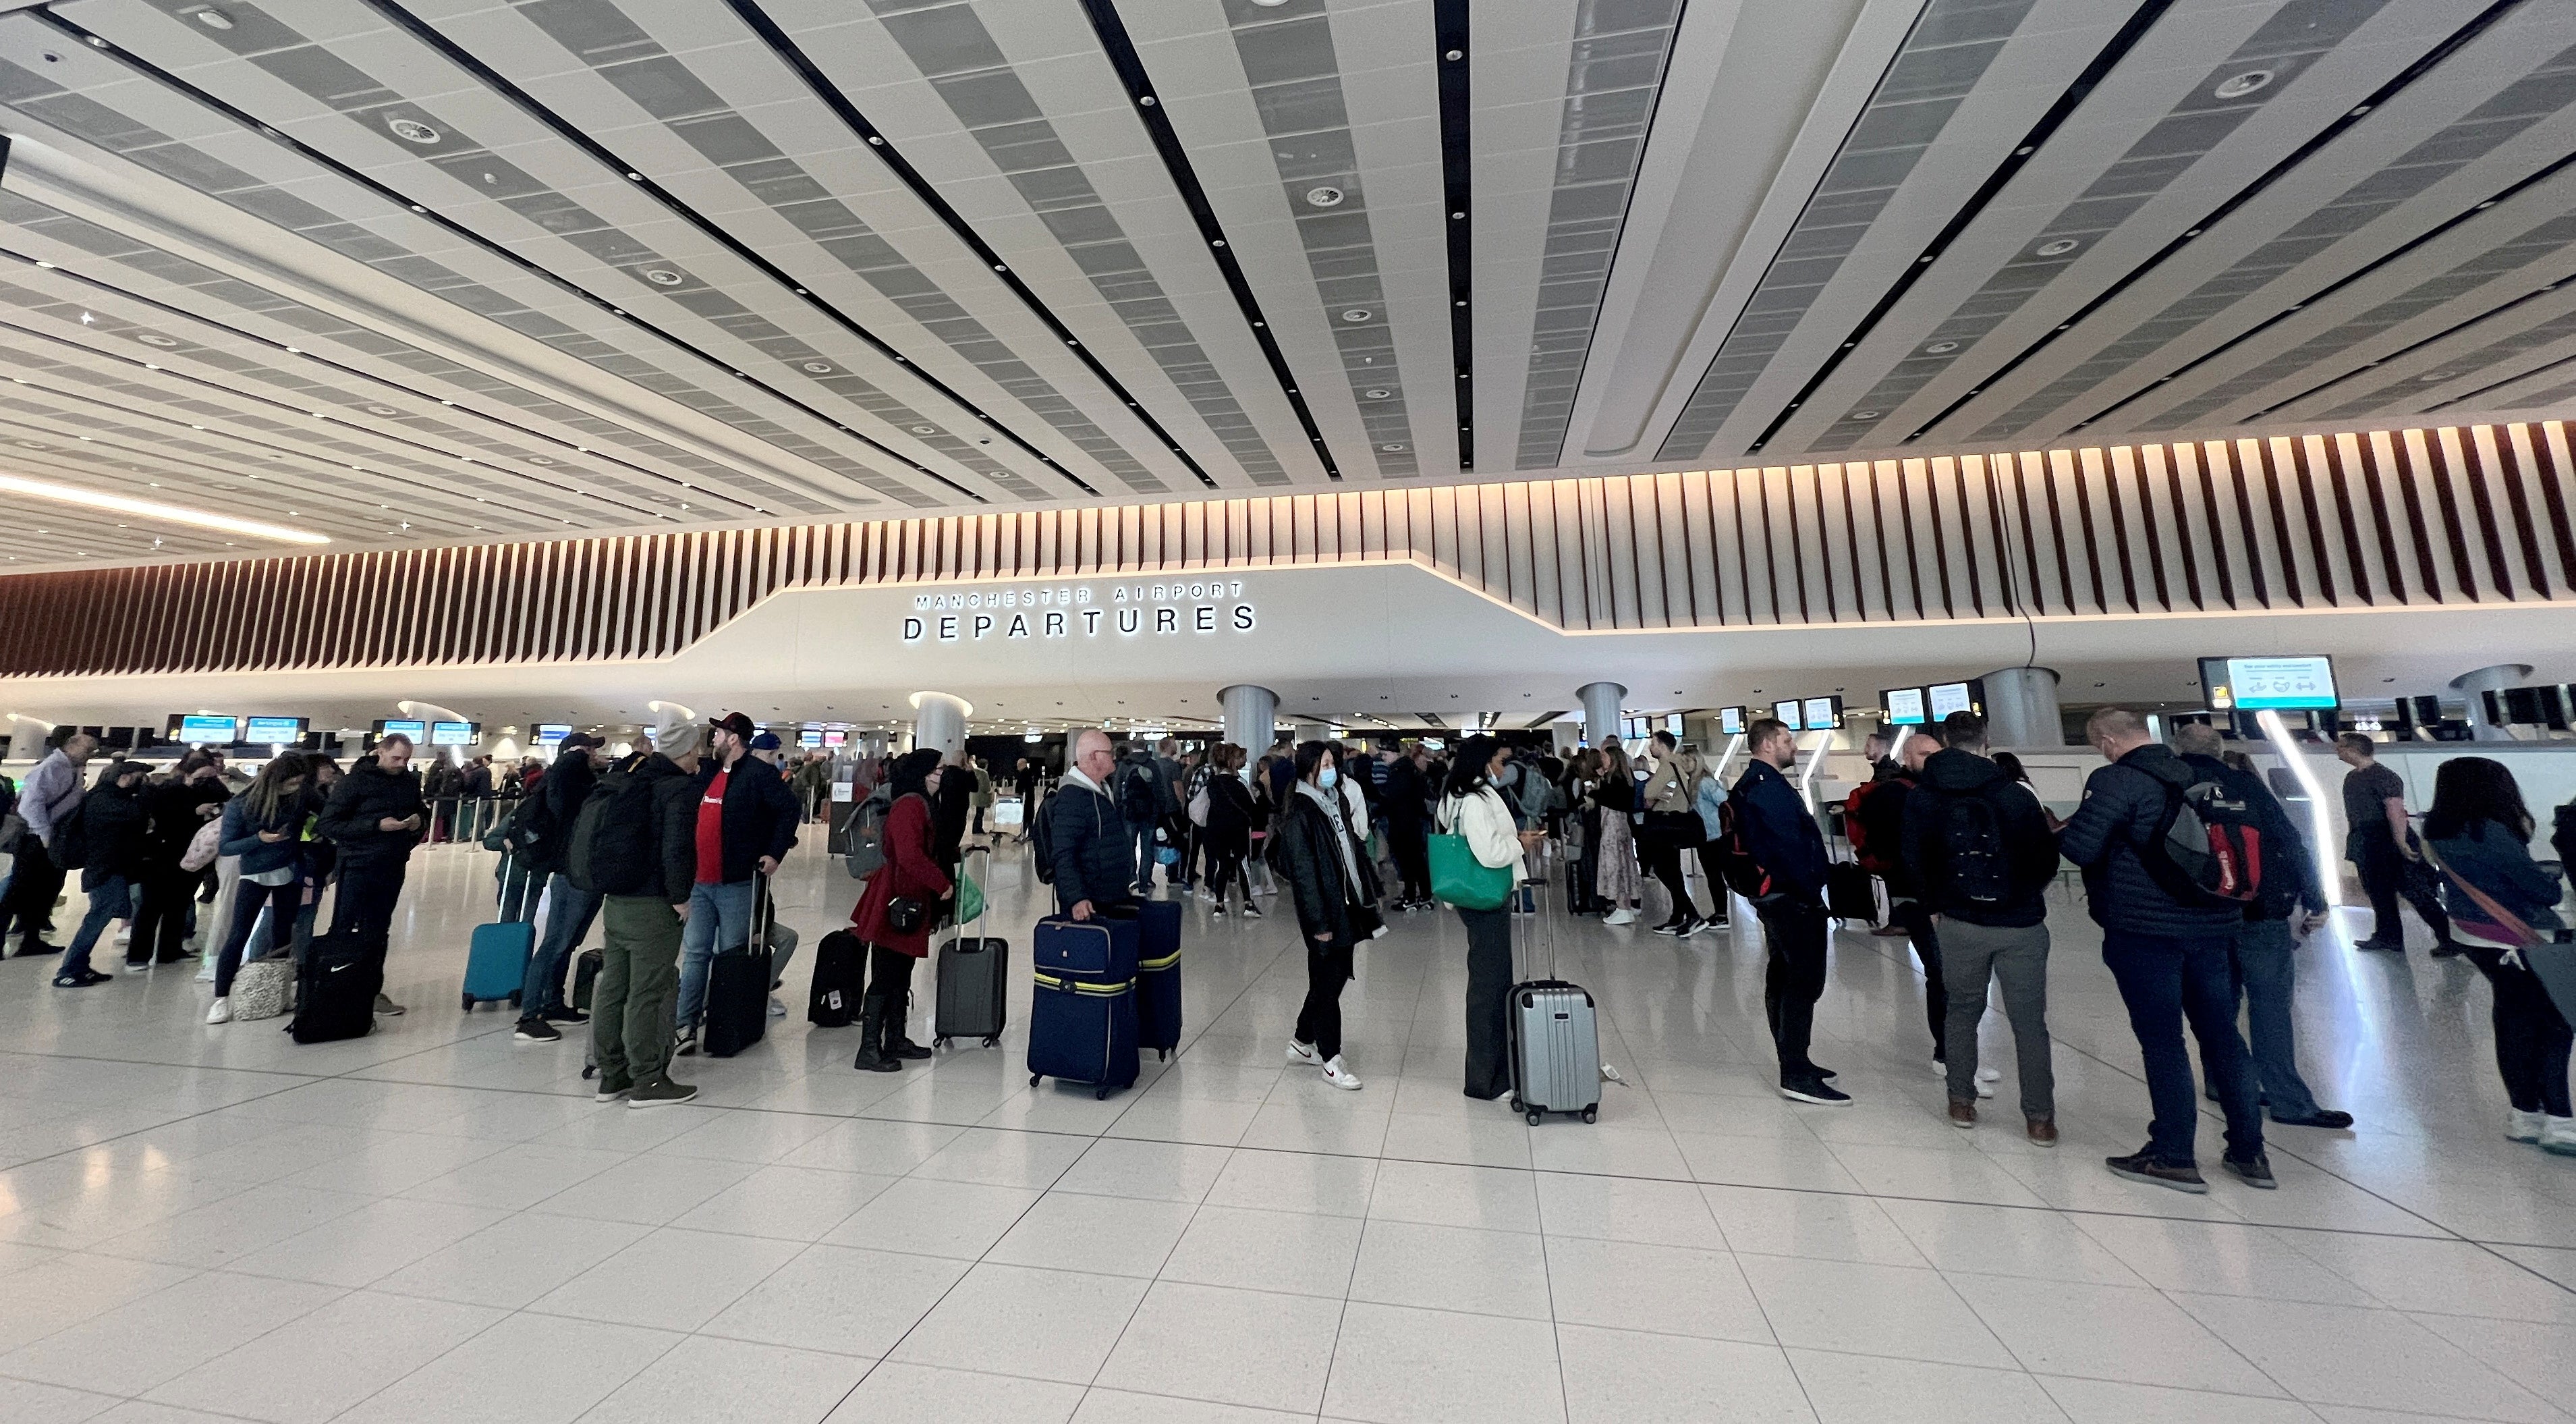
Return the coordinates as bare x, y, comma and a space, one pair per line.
1459, 879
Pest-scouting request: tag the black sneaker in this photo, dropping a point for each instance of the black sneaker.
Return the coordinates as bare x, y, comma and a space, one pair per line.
2449, 949
610, 1092
661, 1092
536, 1031
1218, 912
81, 980
1251, 911
2332, 1119
2256, 1173
36, 948
1673, 927
564, 1016
686, 1044
2142, 1166
2384, 946
1813, 1090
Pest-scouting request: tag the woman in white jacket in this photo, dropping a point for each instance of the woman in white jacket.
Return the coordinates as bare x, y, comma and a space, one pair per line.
1472, 808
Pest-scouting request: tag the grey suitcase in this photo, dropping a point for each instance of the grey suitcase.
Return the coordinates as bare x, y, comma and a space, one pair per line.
1556, 1046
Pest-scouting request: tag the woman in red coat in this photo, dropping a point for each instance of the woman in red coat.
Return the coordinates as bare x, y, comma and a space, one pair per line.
910, 872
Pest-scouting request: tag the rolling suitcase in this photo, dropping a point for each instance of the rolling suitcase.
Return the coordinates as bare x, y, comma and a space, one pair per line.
737, 1009
974, 978
840, 966
335, 994
1158, 973
1555, 1045
1852, 893
1082, 1015
496, 958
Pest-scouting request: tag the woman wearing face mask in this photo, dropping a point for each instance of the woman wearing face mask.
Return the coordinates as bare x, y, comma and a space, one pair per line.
1312, 851
1474, 808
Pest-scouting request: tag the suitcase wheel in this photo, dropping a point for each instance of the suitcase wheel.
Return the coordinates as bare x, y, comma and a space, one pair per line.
1516, 1102
992, 1040
469, 1003
939, 1042
1100, 1094
1533, 1115
514, 997
1592, 1114
1034, 1077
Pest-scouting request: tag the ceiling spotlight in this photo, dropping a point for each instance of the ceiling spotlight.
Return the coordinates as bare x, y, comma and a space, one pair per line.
2432, 376
2237, 86
925, 430
662, 277
1942, 348
154, 338
382, 410
1866, 414
1357, 314
1377, 393
2057, 247
818, 367
412, 130
1392, 445
540, 460
1324, 197
214, 19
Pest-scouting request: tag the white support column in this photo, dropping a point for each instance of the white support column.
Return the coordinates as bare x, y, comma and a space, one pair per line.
2476, 685
1311, 731
1251, 717
2021, 708
939, 721
1601, 702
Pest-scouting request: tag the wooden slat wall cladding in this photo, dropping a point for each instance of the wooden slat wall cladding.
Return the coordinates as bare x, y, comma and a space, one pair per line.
2455, 515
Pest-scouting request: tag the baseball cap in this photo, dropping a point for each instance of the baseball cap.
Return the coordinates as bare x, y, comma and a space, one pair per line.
578, 741
765, 742
736, 723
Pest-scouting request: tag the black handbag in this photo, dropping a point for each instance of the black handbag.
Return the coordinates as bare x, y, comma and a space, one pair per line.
906, 914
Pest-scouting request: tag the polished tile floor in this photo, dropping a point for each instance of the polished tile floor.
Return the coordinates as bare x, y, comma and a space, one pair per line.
436, 1223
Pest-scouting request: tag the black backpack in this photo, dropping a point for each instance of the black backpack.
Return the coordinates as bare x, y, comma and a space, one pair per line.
69, 849
1138, 800
1735, 863
1041, 837
612, 837
1975, 863
2208, 846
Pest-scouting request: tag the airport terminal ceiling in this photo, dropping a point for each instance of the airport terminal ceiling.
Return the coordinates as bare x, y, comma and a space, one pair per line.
413, 273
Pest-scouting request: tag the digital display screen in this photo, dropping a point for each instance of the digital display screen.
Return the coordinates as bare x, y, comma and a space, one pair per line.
2296, 683
451, 734
552, 733
834, 739
1949, 697
810, 737
403, 727
1787, 712
203, 727
1730, 721
1824, 713
1904, 706
275, 731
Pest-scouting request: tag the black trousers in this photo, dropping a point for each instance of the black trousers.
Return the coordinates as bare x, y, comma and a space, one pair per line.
1663, 860
2388, 876
369, 890
163, 920
1411, 847
1225, 868
1489, 1001
1319, 1019
1793, 980
890, 978
2532, 1039
1916, 917
1716, 878
33, 883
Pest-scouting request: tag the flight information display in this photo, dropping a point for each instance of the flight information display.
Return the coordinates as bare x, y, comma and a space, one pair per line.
1949, 697
1904, 706
1824, 713
275, 731
2286, 684
1787, 712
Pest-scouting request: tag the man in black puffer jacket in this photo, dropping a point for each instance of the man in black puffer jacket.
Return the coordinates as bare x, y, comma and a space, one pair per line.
114, 829
373, 820
1093, 852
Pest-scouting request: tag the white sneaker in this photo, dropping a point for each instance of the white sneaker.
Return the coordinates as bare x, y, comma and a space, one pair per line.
777, 1008
2559, 1136
1990, 1075
1984, 1088
1302, 1055
1344, 1078
1621, 916
133, 968
206, 972
125, 934
222, 1012
2520, 1126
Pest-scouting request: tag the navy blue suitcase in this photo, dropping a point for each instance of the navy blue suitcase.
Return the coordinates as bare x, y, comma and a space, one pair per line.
1158, 973
1082, 1014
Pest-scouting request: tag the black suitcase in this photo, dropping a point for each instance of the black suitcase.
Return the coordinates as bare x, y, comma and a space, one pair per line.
974, 978
840, 966
335, 991
1852, 893
585, 978
737, 1007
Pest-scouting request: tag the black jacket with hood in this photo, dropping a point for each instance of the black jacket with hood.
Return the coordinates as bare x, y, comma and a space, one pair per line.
675, 830
1950, 774
2124, 806
114, 831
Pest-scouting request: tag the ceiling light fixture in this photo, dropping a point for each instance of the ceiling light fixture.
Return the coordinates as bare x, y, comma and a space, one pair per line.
1324, 197
412, 131
154, 509
2237, 86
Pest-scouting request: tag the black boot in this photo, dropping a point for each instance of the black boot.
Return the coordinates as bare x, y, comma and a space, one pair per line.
897, 1046
872, 1058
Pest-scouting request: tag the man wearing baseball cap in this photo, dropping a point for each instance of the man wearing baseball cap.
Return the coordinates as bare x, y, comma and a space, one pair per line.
579, 759
746, 824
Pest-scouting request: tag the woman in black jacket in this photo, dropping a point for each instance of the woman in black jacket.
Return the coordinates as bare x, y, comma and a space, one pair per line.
1232, 812
1311, 850
113, 832
177, 809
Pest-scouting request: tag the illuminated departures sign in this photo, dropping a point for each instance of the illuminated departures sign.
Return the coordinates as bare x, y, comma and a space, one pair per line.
1130, 610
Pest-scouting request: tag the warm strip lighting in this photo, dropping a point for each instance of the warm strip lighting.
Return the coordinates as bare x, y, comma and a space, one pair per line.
155, 509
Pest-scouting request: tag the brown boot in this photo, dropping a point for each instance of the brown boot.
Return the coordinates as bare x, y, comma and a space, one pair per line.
2043, 1129
1962, 1114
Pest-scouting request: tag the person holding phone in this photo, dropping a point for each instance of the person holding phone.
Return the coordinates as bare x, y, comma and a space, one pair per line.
374, 819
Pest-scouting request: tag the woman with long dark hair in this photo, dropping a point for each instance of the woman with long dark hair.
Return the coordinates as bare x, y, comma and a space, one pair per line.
1615, 869
1313, 853
1233, 811
912, 872
2480, 834
264, 826
1472, 807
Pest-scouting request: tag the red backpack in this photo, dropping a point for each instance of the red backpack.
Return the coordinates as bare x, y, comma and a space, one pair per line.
1877, 859
1735, 863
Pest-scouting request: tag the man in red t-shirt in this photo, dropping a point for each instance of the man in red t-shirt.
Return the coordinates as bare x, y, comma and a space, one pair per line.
746, 822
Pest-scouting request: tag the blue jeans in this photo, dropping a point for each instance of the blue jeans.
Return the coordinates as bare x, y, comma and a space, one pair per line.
719, 918
2164, 982
570, 909
1144, 855
110, 901
2267, 968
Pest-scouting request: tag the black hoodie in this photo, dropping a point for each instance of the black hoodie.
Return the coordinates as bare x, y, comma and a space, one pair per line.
2030, 846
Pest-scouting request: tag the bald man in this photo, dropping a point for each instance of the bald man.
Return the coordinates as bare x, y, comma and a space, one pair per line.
1094, 848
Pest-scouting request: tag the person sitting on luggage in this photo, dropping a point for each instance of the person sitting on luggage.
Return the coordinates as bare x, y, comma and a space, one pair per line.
1095, 852
911, 874
1311, 850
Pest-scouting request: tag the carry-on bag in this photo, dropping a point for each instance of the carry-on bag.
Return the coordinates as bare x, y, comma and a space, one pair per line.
335, 994
496, 958
737, 1005
1082, 1014
585, 978
1852, 893
973, 980
1158, 973
840, 968
1555, 1043
263, 988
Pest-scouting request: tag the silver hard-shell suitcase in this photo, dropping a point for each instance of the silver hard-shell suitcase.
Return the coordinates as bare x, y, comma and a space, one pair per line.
1556, 1044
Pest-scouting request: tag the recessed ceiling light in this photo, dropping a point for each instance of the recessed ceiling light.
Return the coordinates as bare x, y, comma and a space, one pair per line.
1377, 393
818, 367
925, 430
1942, 348
1866, 414
1326, 196
214, 19
154, 338
2058, 247
662, 277
412, 130
1392, 445
2237, 86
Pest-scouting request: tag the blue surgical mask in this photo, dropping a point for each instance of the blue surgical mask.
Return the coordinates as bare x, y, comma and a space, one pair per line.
1329, 777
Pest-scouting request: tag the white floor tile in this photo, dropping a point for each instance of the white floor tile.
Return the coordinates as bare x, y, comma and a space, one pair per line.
201, 1318
1296, 1181
1857, 1389
900, 1393
1452, 1268
2111, 1402
1017, 1320
541, 1370
1004, 1159
710, 1381
370, 1243
670, 1280
839, 1299
1870, 1309
1229, 1346
512, 1262
1395, 1364
1630, 1377
310, 1369
958, 1219
1629, 1285
1297, 1253
2108, 1332
2331, 1354
1162, 1171
1115, 1236
1444, 1194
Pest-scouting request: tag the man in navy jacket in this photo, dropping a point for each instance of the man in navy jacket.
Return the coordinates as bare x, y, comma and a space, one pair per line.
1094, 850
1780, 832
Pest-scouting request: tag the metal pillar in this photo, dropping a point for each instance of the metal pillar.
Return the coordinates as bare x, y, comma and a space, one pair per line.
1600, 710
2485, 680
939, 721
2021, 708
1251, 716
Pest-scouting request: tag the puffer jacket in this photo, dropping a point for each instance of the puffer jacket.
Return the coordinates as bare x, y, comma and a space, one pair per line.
2124, 804
1095, 853
367, 795
114, 830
